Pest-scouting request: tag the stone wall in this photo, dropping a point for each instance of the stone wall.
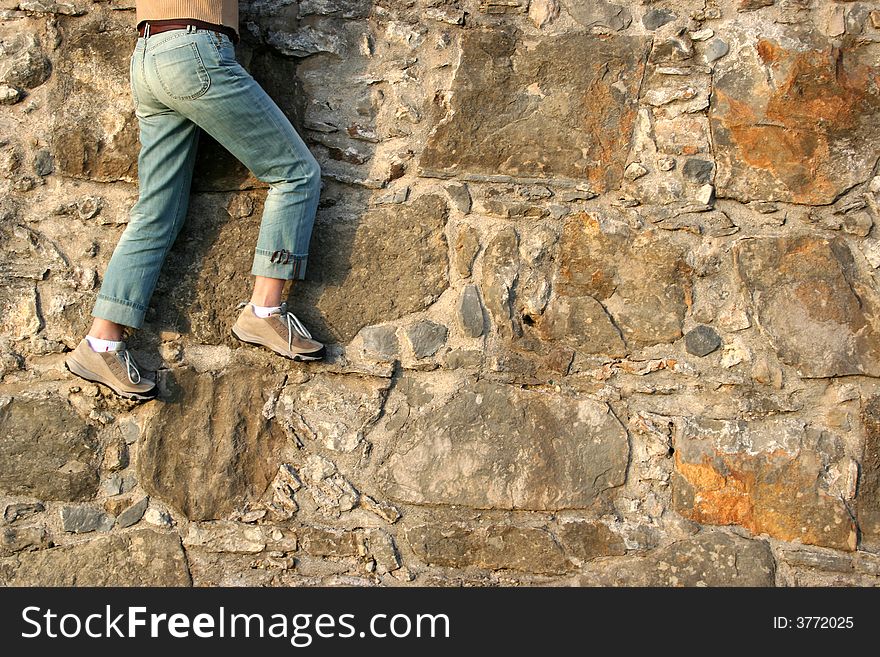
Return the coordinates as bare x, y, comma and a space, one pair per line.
598, 278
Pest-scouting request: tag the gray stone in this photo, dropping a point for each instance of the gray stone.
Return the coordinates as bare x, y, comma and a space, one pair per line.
470, 312
712, 558
112, 485
496, 125
84, 519
14, 512
698, 170
599, 13
208, 479
133, 514
46, 451
467, 245
460, 195
507, 448
701, 340
22, 63
655, 18
139, 558
459, 545
130, 431
426, 337
43, 164
381, 341
715, 50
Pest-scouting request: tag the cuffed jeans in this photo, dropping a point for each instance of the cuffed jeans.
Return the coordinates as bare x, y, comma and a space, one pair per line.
184, 81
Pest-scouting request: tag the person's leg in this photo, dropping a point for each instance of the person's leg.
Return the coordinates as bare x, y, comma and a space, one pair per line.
227, 103
169, 142
267, 291
243, 118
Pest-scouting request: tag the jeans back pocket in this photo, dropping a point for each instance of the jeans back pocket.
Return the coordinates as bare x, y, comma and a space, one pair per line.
181, 71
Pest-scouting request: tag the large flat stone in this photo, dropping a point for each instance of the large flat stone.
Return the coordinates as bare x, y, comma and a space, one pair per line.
46, 451
561, 107
391, 262
95, 140
711, 558
642, 280
139, 558
795, 119
812, 303
459, 545
759, 476
209, 450
496, 446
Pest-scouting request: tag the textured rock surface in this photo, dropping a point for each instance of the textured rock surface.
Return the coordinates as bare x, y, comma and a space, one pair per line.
793, 117
710, 559
804, 287
46, 451
210, 450
776, 490
140, 558
500, 118
491, 446
598, 282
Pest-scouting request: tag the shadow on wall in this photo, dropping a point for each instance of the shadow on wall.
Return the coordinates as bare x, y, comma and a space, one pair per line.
208, 270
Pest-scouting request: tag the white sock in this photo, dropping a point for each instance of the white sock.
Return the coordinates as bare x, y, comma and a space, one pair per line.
265, 311
97, 344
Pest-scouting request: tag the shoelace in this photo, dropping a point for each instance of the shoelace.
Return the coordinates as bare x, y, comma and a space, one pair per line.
293, 323
130, 366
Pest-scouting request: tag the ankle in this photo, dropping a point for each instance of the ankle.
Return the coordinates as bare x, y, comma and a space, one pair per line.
266, 301
99, 344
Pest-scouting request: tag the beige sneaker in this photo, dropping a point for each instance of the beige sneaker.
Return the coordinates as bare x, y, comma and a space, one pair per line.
281, 332
115, 369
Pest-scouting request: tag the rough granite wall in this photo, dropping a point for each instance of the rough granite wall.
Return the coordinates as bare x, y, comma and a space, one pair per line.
599, 278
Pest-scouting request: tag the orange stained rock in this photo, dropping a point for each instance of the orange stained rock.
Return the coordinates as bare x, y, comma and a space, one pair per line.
774, 493
792, 126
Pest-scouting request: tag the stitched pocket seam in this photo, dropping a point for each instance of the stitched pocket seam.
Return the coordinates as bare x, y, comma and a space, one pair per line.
201, 71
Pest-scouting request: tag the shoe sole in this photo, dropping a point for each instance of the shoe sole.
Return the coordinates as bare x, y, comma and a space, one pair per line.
247, 339
83, 373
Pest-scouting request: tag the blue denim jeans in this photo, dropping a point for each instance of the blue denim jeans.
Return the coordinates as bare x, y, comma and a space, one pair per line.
184, 81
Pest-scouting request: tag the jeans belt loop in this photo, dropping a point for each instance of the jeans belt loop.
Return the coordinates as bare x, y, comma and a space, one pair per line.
147, 30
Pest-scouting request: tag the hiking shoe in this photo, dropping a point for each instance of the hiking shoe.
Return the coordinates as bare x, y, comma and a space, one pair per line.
281, 332
115, 369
